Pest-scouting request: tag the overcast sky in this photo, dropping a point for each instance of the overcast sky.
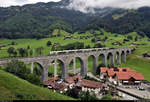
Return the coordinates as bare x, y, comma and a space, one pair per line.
81, 5
6, 3
129, 4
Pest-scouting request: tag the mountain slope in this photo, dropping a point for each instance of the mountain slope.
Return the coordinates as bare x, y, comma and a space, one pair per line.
14, 88
36, 20
130, 21
39, 20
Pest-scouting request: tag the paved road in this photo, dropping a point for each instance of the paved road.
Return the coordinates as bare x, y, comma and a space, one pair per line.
92, 76
144, 94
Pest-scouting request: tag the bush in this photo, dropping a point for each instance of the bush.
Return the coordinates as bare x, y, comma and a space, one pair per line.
130, 37
98, 45
93, 40
116, 35
17, 68
11, 50
88, 46
107, 97
34, 79
86, 96
72, 92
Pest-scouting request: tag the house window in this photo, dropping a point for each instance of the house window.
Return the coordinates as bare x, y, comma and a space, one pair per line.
124, 70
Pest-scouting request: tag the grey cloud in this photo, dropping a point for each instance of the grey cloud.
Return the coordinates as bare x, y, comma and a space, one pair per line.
88, 5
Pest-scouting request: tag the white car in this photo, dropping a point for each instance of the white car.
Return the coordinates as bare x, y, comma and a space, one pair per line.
49, 87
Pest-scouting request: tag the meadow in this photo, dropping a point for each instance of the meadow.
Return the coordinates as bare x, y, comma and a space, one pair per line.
14, 88
35, 43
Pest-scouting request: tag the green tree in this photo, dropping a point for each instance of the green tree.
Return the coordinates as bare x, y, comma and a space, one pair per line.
86, 96
15, 53
88, 46
53, 48
12, 43
39, 50
28, 47
93, 40
37, 71
22, 52
49, 43
106, 38
98, 45
130, 37
17, 68
11, 50
136, 38
31, 52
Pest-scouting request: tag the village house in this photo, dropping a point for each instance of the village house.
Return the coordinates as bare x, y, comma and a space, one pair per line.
55, 84
85, 85
71, 81
2, 46
121, 76
116, 43
134, 43
146, 55
126, 40
139, 37
91, 86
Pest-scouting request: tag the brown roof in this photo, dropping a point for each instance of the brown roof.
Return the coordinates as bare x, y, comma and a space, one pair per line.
58, 86
71, 80
91, 84
50, 81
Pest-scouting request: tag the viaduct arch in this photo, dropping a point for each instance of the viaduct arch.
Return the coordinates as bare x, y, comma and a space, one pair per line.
65, 58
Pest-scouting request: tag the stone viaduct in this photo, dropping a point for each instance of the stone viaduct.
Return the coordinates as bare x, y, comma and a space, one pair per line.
65, 57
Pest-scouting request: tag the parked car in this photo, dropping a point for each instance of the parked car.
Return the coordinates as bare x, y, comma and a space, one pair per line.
141, 88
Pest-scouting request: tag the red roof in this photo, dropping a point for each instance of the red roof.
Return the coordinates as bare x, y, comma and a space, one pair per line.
103, 69
139, 76
128, 75
122, 69
122, 76
91, 84
111, 73
123, 73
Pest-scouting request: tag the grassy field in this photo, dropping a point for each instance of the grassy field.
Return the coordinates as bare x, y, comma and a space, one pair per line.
34, 43
14, 88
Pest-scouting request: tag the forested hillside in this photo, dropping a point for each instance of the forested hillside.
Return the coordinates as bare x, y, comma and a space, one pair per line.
39, 20
131, 21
